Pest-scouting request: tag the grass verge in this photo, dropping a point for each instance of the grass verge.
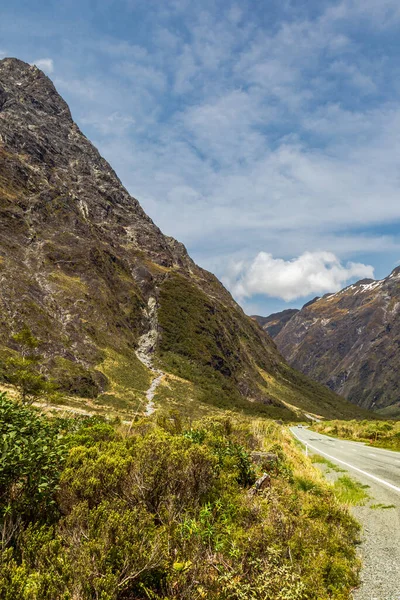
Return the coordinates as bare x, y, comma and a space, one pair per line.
318, 459
381, 434
350, 491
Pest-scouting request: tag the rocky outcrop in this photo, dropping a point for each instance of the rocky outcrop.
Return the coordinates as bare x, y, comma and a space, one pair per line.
262, 483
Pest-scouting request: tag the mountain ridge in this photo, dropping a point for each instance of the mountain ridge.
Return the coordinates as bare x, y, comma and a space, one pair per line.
275, 321
84, 267
349, 341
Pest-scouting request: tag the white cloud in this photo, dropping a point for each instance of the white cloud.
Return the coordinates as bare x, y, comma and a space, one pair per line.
310, 273
46, 64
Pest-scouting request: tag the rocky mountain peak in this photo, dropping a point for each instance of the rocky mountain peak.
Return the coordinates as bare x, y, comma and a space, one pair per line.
46, 154
395, 273
21, 83
95, 280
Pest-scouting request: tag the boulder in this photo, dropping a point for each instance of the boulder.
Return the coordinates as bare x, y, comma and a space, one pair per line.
266, 460
263, 482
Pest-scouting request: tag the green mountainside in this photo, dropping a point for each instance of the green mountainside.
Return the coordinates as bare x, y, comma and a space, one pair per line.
112, 301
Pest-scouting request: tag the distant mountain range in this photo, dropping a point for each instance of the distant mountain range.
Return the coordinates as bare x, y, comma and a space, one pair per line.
349, 341
275, 322
111, 298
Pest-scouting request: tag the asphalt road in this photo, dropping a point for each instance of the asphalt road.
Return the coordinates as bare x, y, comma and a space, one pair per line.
380, 547
382, 466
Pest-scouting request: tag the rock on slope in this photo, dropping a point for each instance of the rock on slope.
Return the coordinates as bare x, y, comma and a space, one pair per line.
350, 341
92, 276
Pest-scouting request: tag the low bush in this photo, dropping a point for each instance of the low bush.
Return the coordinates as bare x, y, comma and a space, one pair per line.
31, 463
164, 512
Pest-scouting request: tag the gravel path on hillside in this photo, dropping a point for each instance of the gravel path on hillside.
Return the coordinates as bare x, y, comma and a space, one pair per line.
151, 392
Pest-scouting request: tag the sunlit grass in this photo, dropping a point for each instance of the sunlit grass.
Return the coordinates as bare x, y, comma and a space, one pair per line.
350, 491
317, 458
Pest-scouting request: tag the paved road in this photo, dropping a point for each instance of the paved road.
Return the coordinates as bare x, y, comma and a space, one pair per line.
383, 465
380, 548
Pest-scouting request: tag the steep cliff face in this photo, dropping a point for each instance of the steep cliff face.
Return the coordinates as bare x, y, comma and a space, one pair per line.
350, 341
95, 280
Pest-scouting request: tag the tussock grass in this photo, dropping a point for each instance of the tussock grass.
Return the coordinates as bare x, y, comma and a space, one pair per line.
350, 491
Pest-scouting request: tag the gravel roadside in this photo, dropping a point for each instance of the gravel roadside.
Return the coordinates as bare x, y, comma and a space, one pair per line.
380, 540
380, 547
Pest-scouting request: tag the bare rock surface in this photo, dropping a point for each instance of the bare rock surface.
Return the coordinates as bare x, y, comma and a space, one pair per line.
261, 484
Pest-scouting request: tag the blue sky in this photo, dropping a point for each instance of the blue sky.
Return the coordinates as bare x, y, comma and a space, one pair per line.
264, 135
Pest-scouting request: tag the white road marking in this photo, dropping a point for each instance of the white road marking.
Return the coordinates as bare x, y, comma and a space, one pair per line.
346, 464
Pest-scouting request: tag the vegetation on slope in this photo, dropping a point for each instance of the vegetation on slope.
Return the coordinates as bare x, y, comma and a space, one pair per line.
227, 356
383, 434
90, 510
84, 268
307, 396
209, 344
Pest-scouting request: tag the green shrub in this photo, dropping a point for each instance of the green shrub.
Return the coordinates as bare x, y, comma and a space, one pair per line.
164, 513
32, 459
21, 368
